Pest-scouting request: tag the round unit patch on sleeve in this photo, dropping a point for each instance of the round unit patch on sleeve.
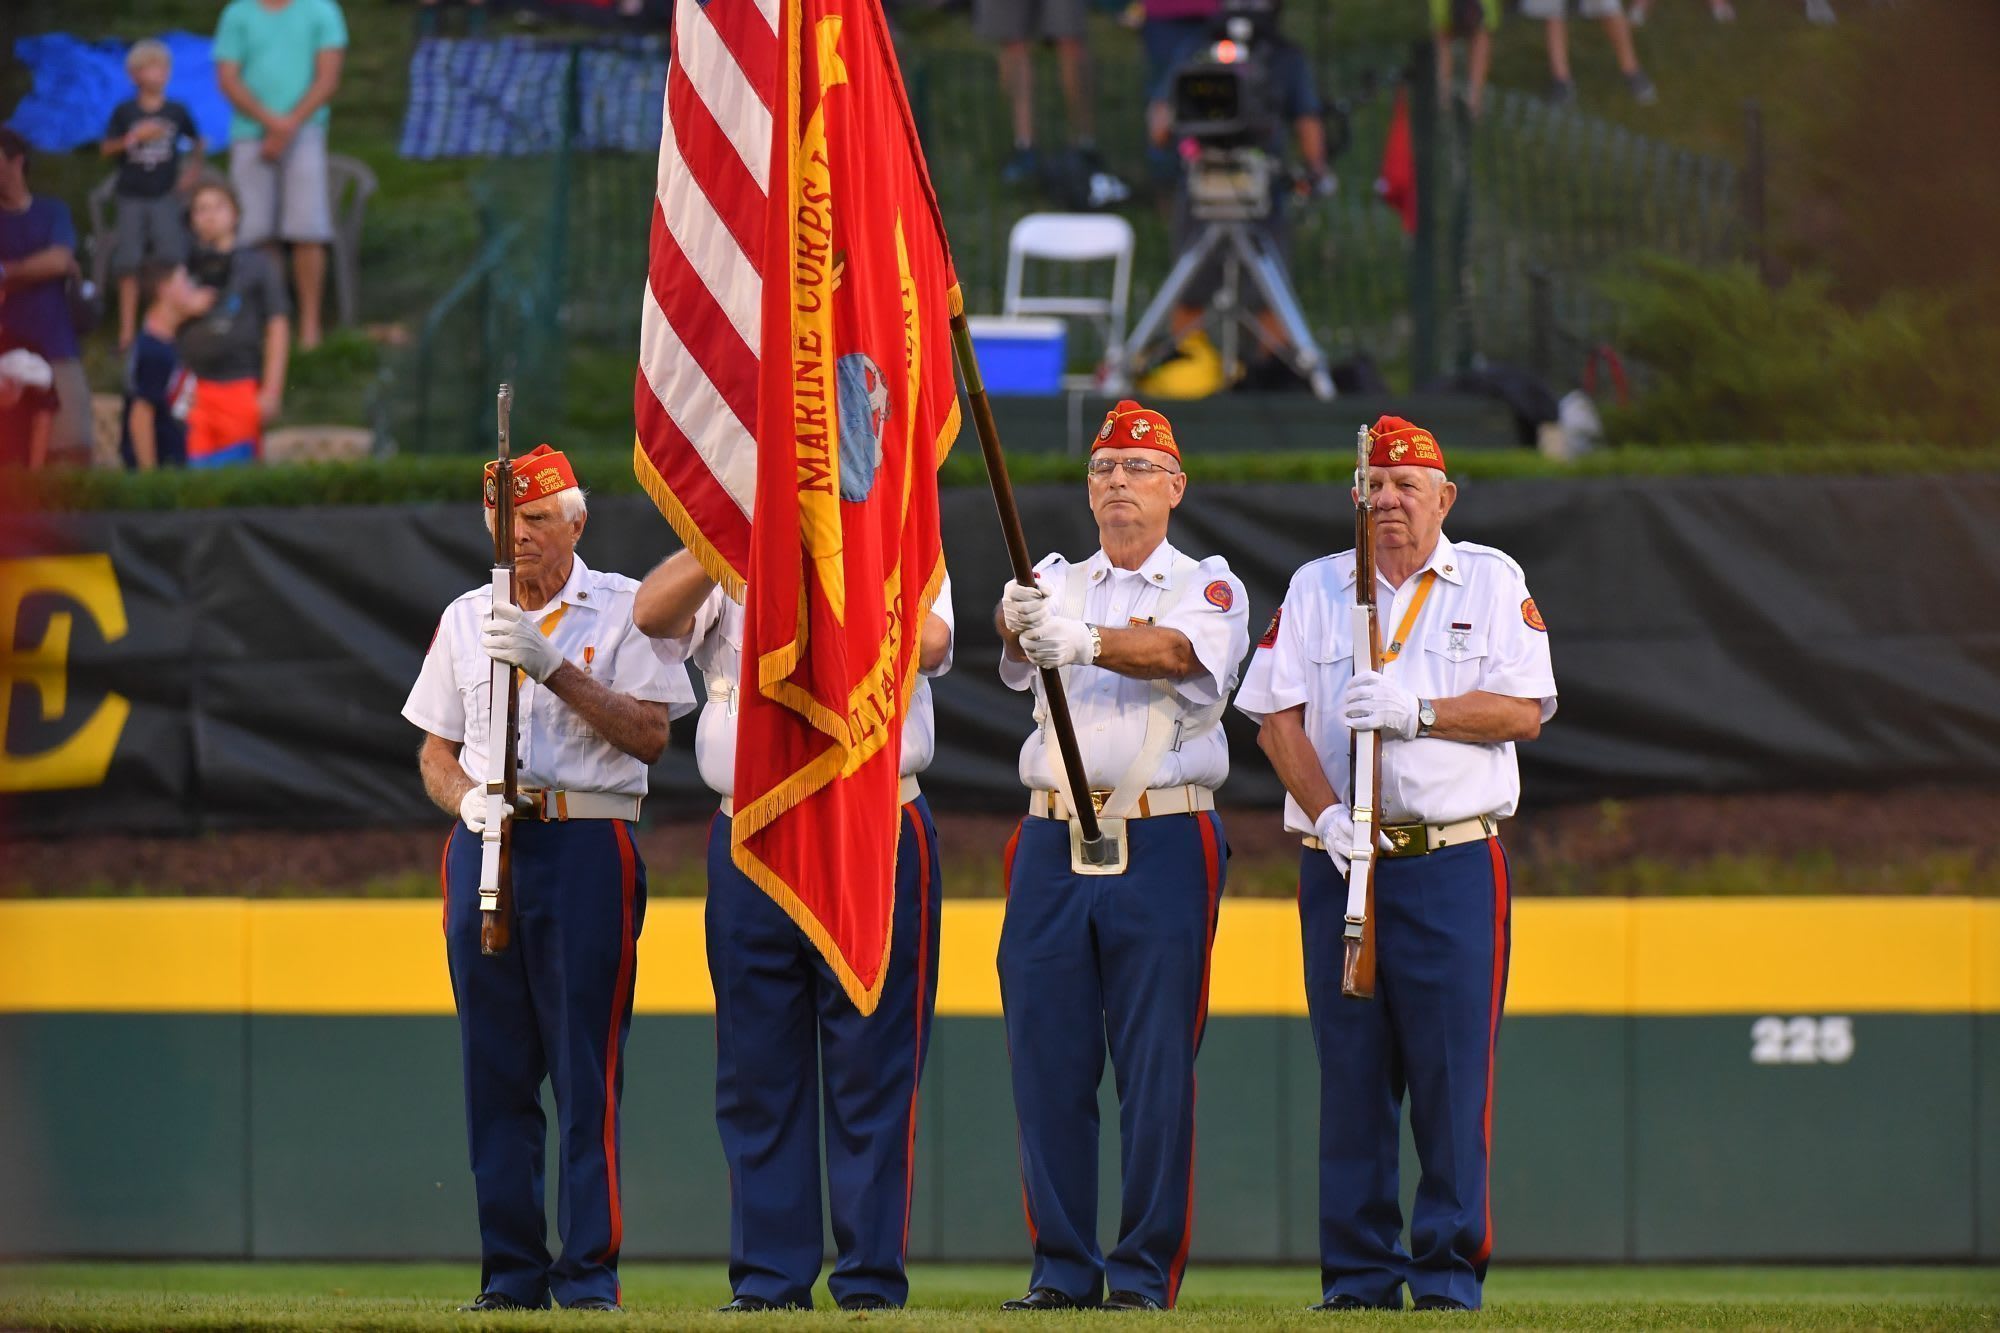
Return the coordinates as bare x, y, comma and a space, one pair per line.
1532, 616
1270, 639
1220, 595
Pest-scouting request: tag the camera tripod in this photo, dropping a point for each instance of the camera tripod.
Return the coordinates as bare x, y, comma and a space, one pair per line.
1247, 250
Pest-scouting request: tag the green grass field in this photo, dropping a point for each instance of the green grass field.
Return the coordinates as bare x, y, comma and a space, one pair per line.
423, 1296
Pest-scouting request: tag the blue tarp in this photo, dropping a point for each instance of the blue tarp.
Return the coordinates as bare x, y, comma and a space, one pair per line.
78, 82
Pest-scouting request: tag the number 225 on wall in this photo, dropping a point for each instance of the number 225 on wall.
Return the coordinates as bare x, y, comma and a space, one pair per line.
1801, 1041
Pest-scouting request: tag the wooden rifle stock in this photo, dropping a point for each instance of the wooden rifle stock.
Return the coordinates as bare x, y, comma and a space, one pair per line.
496, 881
1024, 574
1364, 774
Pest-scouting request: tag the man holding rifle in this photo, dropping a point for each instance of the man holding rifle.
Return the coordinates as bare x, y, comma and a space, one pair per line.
1465, 675
595, 697
1108, 942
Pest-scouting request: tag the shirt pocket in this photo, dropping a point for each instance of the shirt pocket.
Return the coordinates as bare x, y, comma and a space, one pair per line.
475, 692
1457, 660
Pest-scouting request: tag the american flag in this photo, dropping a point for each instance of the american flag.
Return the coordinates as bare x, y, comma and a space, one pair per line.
696, 398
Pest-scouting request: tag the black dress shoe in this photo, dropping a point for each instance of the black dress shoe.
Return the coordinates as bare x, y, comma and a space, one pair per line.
749, 1305
487, 1302
1130, 1300
865, 1300
601, 1304
1044, 1298
1346, 1301
1440, 1303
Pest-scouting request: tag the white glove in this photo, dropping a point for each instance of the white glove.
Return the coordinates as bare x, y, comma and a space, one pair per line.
472, 807
1059, 642
1373, 702
1335, 828
1022, 608
508, 636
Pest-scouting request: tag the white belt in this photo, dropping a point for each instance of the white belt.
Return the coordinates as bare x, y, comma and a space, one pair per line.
1185, 800
553, 805
1423, 839
908, 792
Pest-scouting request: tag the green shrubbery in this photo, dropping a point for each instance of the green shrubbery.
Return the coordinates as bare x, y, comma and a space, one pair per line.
1791, 364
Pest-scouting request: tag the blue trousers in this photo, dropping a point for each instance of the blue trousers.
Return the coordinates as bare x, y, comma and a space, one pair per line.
1441, 943
556, 1005
781, 1015
1090, 961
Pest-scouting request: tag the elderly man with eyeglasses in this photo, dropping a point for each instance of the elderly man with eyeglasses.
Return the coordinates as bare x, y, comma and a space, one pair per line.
1113, 949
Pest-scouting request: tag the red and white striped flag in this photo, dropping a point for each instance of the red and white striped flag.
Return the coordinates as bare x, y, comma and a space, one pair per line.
794, 400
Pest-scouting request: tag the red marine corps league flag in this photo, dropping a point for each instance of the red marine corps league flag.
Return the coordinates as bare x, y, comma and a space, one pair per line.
795, 398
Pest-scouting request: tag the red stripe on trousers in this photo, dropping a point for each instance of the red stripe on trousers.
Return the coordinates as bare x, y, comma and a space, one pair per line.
923, 973
716, 166
1007, 879
699, 321
621, 999
1500, 888
444, 880
1211, 858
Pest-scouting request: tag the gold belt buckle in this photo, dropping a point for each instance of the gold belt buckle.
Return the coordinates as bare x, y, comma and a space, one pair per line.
1406, 839
1097, 800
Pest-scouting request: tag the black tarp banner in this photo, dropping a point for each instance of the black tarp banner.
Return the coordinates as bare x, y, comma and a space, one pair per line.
179, 672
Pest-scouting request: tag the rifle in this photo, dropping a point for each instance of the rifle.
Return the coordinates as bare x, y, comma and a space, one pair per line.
1364, 781
496, 844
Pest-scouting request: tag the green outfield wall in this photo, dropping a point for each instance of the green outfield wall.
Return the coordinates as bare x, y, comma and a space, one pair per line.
1684, 1080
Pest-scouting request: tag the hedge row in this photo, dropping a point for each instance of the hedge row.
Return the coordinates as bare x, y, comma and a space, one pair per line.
432, 477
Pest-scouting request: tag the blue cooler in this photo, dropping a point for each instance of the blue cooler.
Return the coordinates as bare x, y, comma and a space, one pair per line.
1019, 354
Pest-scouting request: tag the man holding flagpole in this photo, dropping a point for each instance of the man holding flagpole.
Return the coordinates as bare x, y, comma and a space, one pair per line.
786, 1034
1110, 944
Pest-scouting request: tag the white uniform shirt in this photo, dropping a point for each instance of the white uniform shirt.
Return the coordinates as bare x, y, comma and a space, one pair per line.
1110, 710
1476, 631
715, 646
556, 747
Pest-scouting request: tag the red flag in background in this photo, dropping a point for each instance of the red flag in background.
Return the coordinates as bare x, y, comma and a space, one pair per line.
1397, 181
795, 399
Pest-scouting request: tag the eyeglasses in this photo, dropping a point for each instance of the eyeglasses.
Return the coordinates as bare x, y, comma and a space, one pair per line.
1137, 469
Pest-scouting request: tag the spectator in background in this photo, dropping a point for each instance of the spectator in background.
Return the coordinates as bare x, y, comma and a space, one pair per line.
1553, 13
1169, 30
1476, 21
27, 403
1013, 25
159, 152
278, 62
238, 350
430, 14
159, 393
37, 261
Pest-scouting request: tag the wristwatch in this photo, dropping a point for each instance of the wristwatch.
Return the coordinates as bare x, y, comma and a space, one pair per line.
1427, 717
1096, 643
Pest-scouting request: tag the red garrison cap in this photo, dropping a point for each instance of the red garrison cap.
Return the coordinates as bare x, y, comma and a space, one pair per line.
1394, 442
542, 471
1130, 426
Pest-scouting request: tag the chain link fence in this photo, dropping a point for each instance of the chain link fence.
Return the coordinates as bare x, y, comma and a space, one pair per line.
1519, 215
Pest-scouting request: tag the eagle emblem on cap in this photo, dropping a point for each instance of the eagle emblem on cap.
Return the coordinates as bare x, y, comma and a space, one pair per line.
1141, 429
1397, 450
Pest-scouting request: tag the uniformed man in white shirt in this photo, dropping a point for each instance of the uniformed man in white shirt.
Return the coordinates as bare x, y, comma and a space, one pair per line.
786, 1034
1465, 677
1149, 642
595, 699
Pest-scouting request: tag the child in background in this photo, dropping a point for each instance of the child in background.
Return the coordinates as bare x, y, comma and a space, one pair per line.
158, 391
1476, 21
159, 152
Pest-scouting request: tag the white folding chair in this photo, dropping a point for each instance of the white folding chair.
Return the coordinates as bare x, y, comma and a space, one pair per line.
1075, 238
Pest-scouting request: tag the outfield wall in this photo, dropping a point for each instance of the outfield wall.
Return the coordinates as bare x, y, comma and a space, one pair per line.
1678, 1079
